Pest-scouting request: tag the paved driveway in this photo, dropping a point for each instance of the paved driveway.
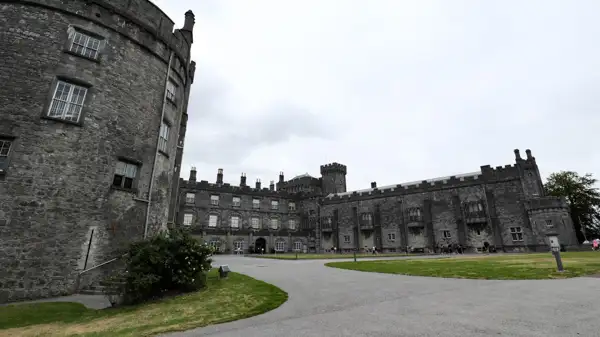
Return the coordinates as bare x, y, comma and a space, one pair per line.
326, 301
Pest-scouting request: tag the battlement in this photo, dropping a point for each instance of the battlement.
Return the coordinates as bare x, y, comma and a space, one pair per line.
333, 168
204, 185
139, 20
545, 203
500, 172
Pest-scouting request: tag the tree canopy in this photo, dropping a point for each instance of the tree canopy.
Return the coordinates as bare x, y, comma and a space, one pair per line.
583, 199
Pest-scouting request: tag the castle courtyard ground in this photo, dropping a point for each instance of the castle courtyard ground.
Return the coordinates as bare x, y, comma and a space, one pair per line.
326, 301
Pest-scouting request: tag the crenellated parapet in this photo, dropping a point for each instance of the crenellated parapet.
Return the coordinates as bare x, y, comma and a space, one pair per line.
333, 168
139, 20
204, 185
499, 173
545, 204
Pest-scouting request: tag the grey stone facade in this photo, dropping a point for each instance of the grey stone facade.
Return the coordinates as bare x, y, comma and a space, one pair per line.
504, 207
86, 88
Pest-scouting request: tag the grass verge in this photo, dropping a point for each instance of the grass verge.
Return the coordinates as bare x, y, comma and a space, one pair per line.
501, 267
292, 256
221, 301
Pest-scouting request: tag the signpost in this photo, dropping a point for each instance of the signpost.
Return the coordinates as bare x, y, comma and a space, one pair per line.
555, 248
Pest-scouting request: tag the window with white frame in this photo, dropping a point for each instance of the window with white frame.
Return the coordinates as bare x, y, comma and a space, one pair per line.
292, 206
255, 203
274, 204
446, 234
214, 200
280, 246
215, 244
292, 224
188, 219
235, 221
125, 174
171, 91
84, 44
347, 238
298, 246
212, 220
67, 101
516, 233
238, 245
237, 201
190, 198
392, 236
255, 222
163, 140
274, 223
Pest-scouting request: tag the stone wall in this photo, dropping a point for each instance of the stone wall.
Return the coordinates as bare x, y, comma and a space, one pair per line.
57, 187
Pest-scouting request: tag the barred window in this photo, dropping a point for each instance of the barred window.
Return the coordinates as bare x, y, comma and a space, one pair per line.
67, 101
84, 45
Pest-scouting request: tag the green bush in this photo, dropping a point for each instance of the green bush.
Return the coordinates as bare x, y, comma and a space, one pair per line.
165, 264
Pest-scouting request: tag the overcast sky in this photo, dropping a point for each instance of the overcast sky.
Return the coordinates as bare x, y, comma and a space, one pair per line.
396, 90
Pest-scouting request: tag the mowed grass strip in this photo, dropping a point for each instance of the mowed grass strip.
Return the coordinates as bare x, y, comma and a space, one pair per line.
292, 256
500, 267
234, 298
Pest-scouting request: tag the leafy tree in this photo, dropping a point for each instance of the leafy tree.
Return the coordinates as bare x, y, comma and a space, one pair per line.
583, 199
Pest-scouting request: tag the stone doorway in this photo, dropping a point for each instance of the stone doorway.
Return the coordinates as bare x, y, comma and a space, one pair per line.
259, 245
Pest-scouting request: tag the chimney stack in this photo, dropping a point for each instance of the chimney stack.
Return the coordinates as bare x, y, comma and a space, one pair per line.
528, 153
518, 155
272, 185
220, 177
243, 180
280, 177
373, 184
193, 174
258, 184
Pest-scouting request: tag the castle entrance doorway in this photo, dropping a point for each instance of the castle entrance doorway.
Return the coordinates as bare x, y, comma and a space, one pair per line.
260, 245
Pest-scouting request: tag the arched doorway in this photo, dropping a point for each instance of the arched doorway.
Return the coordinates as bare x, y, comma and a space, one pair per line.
260, 245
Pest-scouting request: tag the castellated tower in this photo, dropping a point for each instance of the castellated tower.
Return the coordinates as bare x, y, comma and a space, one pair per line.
93, 116
333, 178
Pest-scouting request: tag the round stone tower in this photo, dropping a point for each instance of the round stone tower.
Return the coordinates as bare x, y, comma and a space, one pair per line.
333, 178
94, 105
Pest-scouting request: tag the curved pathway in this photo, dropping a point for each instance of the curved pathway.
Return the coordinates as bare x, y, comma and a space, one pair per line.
327, 301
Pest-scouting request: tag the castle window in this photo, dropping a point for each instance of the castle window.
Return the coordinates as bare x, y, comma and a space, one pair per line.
274, 223
212, 220
255, 203
190, 198
67, 101
188, 219
236, 202
163, 140
367, 218
214, 200
516, 233
292, 224
274, 204
84, 45
125, 174
215, 244
446, 234
280, 246
235, 222
346, 238
5, 146
392, 236
298, 246
171, 91
414, 214
238, 245
292, 206
255, 222
549, 224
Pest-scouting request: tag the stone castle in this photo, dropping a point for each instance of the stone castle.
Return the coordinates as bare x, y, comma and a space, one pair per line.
93, 113
503, 207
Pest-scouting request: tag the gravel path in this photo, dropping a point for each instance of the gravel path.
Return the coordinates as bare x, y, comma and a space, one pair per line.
326, 301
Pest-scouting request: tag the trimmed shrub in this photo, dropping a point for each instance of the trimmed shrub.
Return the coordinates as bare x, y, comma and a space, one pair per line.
168, 263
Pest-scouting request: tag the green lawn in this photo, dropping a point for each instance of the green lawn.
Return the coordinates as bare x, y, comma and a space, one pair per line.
231, 299
499, 267
292, 256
